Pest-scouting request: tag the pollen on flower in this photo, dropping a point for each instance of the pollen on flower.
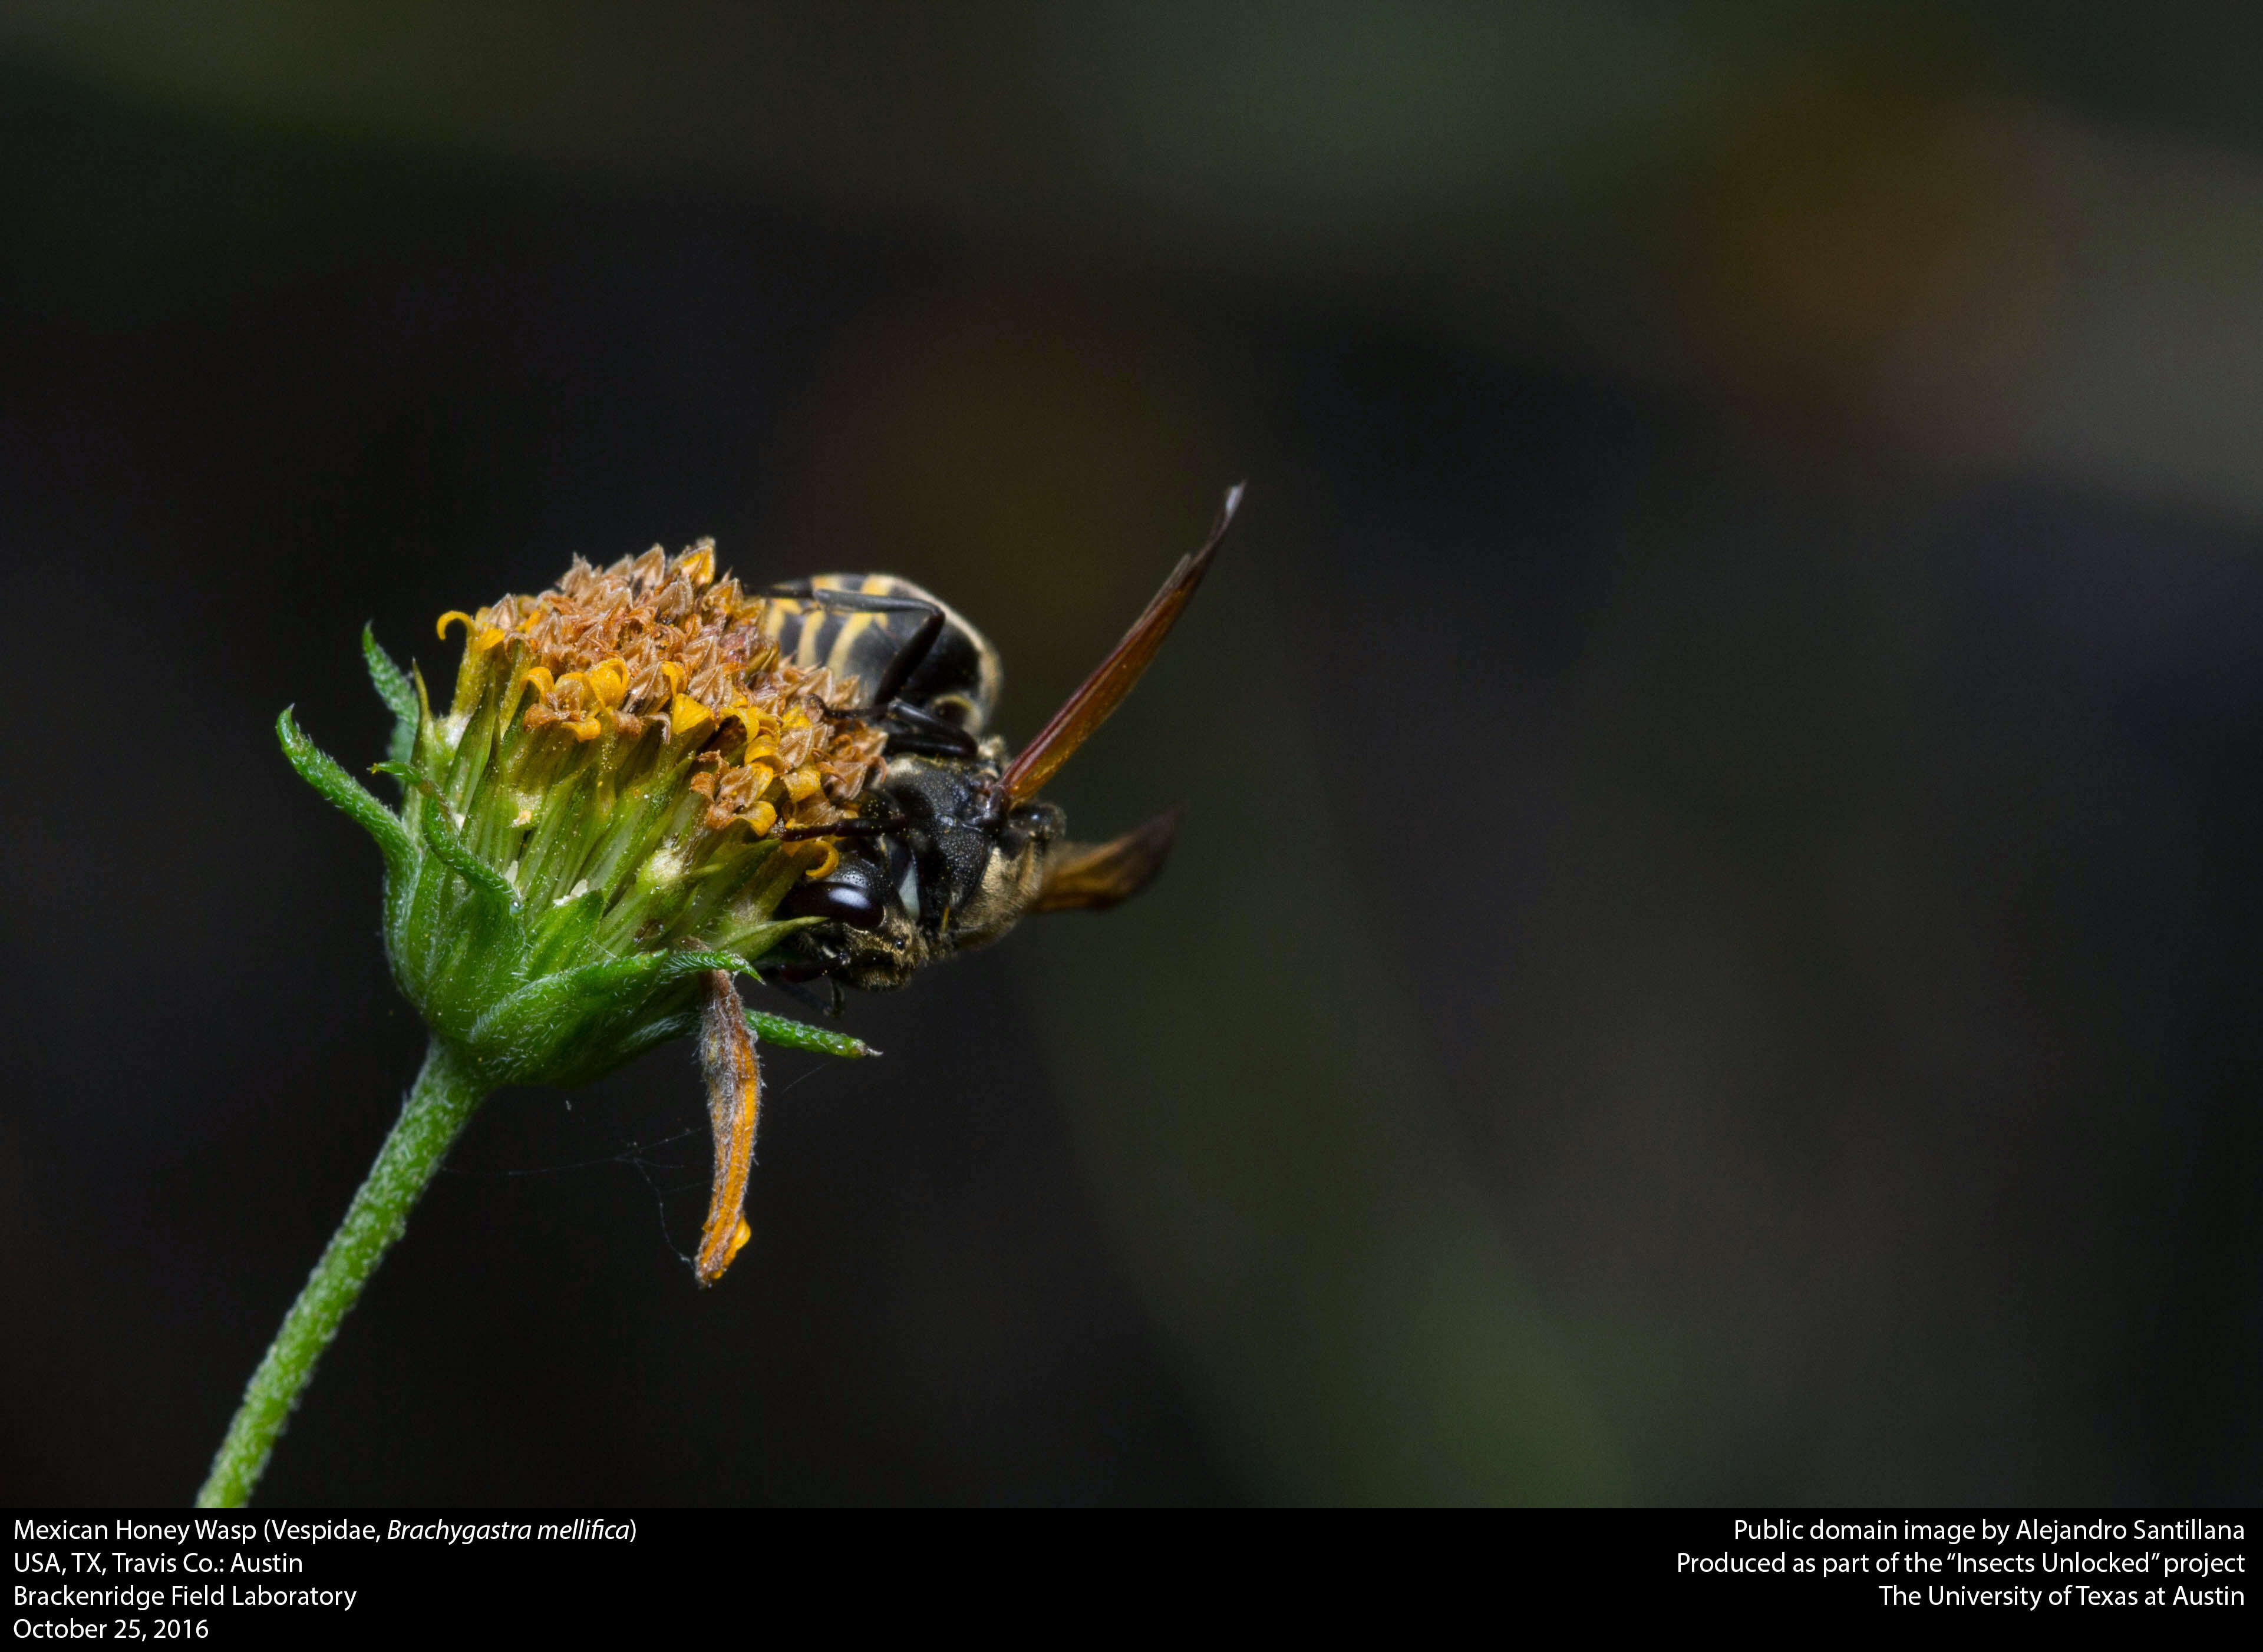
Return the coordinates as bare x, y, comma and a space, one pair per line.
657, 652
632, 732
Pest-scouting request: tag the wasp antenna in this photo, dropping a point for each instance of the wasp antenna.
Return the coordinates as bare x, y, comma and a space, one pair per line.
1102, 691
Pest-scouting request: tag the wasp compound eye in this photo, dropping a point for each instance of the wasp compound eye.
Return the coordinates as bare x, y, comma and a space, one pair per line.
843, 902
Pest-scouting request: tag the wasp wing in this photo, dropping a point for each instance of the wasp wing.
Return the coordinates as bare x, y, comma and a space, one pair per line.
1094, 877
1102, 691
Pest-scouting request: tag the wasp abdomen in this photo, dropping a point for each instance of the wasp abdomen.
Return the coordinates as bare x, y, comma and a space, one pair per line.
900, 642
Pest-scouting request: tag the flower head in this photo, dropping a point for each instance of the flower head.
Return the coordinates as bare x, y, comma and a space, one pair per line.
589, 843
628, 745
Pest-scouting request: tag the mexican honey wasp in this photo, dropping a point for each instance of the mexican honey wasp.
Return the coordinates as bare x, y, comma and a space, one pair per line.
953, 846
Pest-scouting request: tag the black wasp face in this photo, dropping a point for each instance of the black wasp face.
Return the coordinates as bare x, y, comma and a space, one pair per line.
948, 875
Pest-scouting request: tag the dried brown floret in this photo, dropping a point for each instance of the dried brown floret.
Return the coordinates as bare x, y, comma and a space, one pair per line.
654, 660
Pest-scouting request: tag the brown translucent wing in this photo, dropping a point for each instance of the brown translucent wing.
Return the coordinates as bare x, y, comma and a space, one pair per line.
1104, 689
1094, 877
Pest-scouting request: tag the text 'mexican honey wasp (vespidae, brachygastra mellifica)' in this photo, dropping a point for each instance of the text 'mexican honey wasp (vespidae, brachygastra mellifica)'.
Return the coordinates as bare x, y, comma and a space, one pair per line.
953, 846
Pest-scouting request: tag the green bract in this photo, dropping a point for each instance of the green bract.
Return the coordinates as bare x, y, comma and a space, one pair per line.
532, 997
590, 843
551, 901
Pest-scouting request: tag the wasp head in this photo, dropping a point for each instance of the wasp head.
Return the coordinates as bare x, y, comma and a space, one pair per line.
952, 866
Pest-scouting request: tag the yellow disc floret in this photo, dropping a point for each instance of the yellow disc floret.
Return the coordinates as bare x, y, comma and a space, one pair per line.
645, 694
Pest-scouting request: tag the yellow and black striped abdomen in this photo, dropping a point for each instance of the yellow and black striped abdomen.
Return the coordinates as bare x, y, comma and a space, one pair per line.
957, 677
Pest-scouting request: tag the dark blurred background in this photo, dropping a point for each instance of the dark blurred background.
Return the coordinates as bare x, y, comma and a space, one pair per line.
1714, 953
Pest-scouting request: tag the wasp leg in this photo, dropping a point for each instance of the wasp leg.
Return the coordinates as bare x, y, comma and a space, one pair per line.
916, 729
793, 980
851, 828
909, 658
734, 1106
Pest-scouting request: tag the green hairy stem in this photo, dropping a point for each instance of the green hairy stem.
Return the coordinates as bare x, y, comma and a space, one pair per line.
443, 1097
553, 904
